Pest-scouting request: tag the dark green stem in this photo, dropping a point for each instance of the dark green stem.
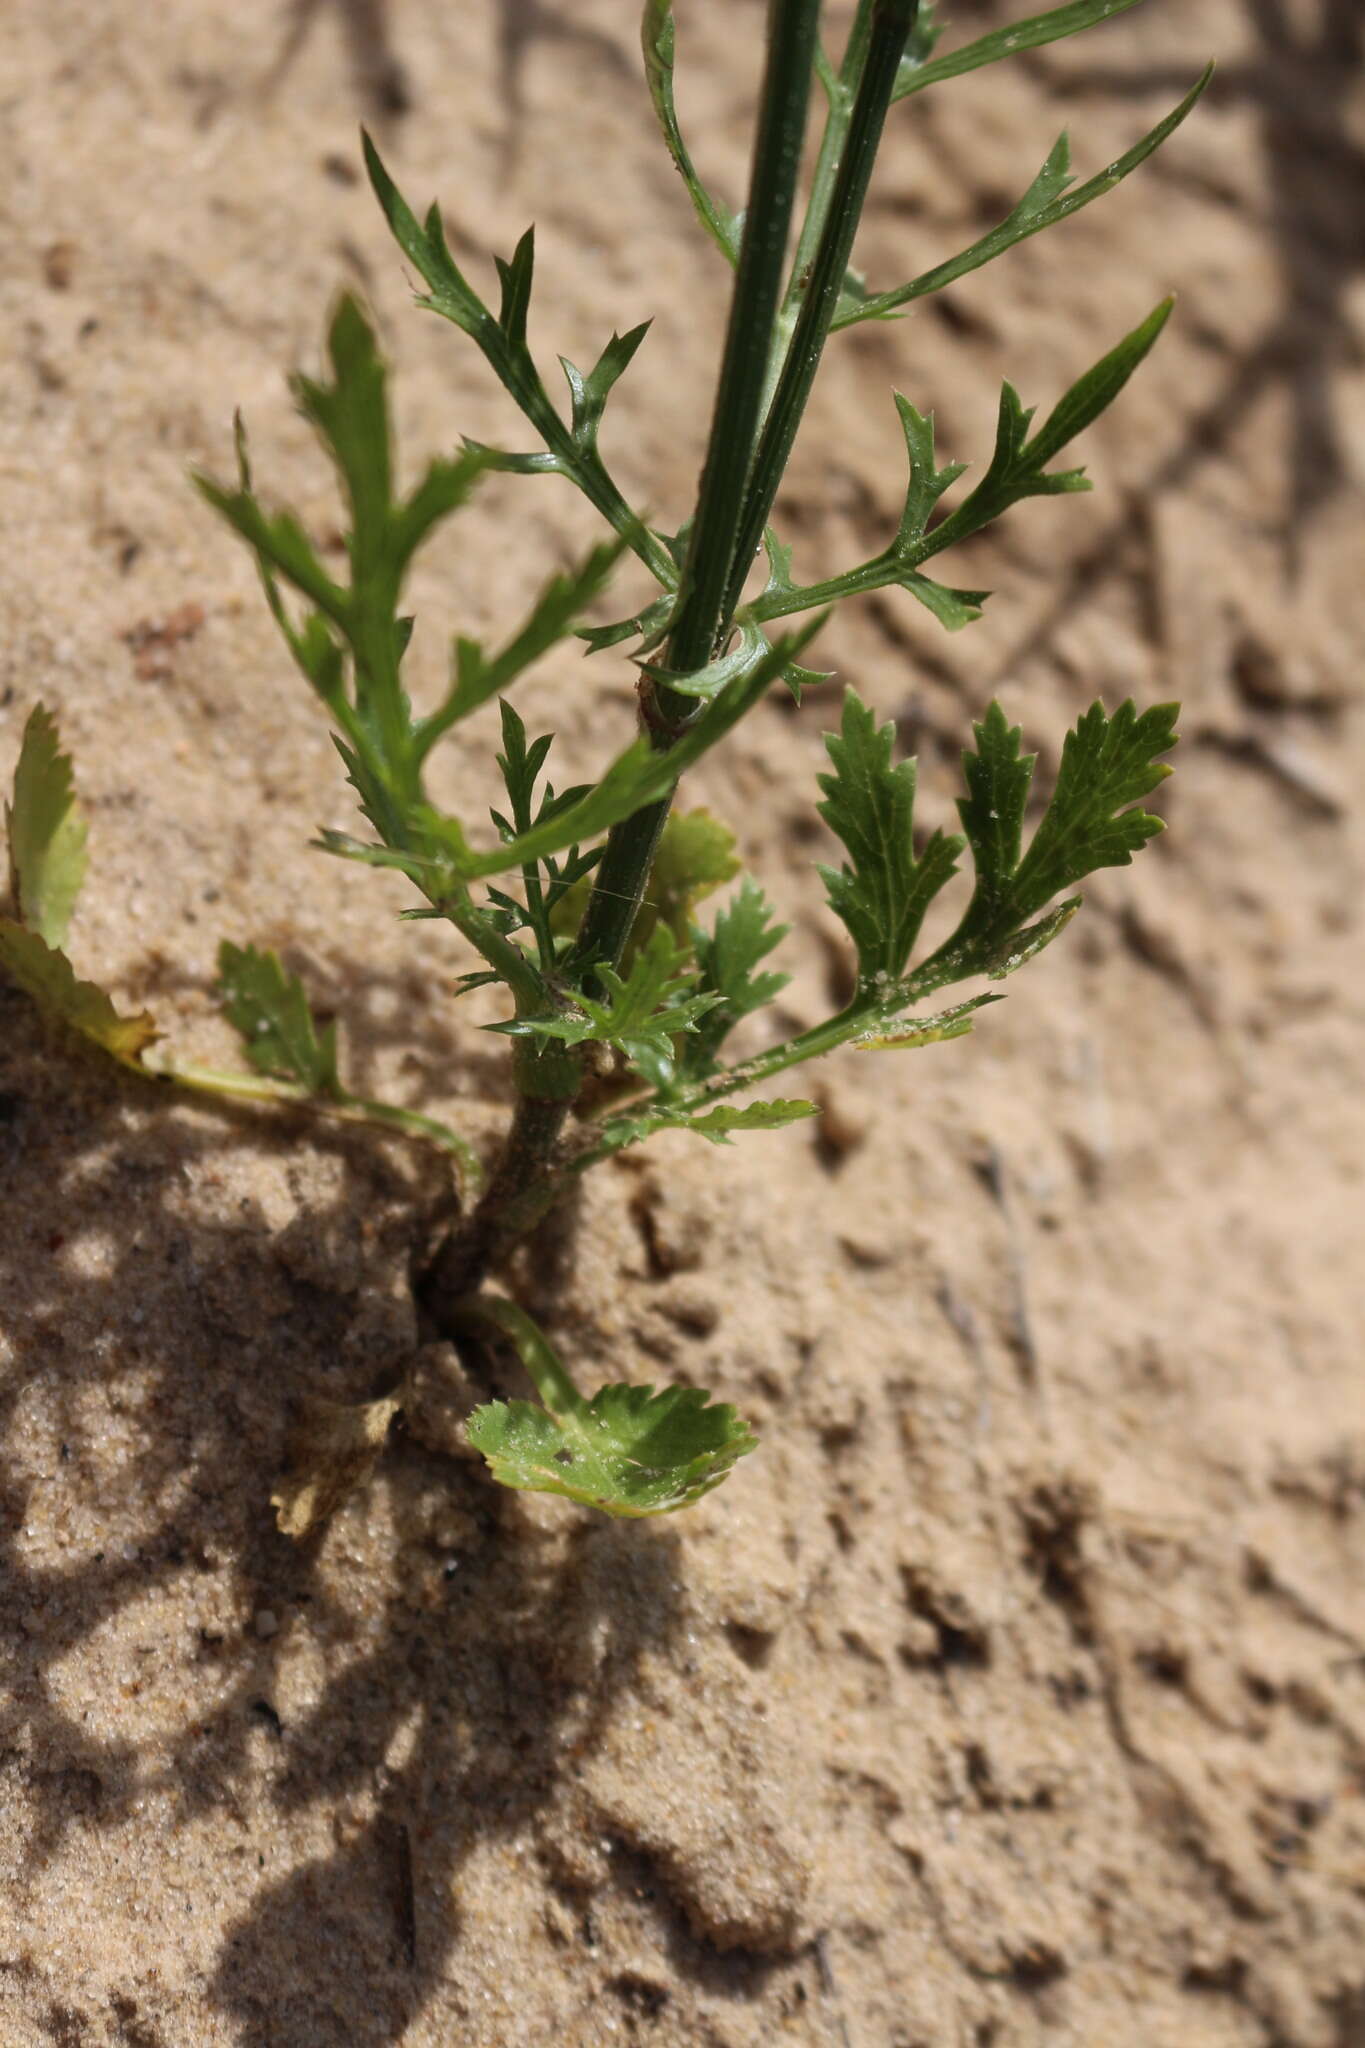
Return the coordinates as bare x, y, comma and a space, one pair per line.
524, 1184
701, 618
889, 27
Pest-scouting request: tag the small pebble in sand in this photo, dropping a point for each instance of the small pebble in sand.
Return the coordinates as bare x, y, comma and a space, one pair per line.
267, 1623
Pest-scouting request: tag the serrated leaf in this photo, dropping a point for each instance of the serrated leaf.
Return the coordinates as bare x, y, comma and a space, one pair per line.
882, 892
998, 777
268, 1008
1092, 822
46, 833
48, 977
650, 624
927, 481
588, 395
644, 1011
1107, 763
351, 415
656, 35
953, 609
332, 1451
744, 934
629, 1451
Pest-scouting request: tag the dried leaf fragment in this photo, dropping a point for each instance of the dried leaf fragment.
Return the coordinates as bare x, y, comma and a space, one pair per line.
332, 1451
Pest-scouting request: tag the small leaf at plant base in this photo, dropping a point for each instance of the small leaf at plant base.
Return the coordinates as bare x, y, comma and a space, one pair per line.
48, 977
332, 1451
629, 1451
46, 833
268, 1007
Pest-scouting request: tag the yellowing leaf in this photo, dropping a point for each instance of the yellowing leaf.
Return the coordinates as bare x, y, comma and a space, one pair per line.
696, 855
48, 977
332, 1451
46, 833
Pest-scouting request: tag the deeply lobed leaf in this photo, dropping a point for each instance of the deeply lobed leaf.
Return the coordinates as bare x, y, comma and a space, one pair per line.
269, 1009
883, 890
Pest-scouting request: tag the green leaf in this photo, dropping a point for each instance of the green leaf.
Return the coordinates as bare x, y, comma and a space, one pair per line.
992, 813
1092, 822
927, 481
570, 449
48, 977
882, 892
588, 395
1107, 764
629, 1451
351, 415
638, 776
1018, 469
716, 1124
695, 856
46, 833
651, 624
479, 676
269, 1009
656, 32
743, 935
1046, 202
646, 1009
1031, 34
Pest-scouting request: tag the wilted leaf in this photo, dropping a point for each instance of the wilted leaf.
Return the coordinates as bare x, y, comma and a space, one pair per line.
46, 833
332, 1451
49, 978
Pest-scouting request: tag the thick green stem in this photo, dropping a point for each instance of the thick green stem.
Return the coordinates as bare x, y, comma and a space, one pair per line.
886, 32
698, 627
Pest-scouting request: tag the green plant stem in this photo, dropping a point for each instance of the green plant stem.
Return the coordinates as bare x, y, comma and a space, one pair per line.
344, 1108
525, 1183
529, 1176
879, 37
699, 625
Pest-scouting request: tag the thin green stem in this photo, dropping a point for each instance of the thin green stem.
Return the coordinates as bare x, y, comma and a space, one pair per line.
483, 1312
701, 619
887, 25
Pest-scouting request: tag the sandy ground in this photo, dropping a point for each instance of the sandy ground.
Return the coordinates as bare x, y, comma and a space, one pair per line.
1014, 1692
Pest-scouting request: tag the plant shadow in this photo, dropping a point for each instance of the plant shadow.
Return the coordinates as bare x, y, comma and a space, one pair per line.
174, 1280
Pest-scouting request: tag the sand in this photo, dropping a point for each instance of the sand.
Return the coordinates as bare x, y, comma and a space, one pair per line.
1014, 1692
